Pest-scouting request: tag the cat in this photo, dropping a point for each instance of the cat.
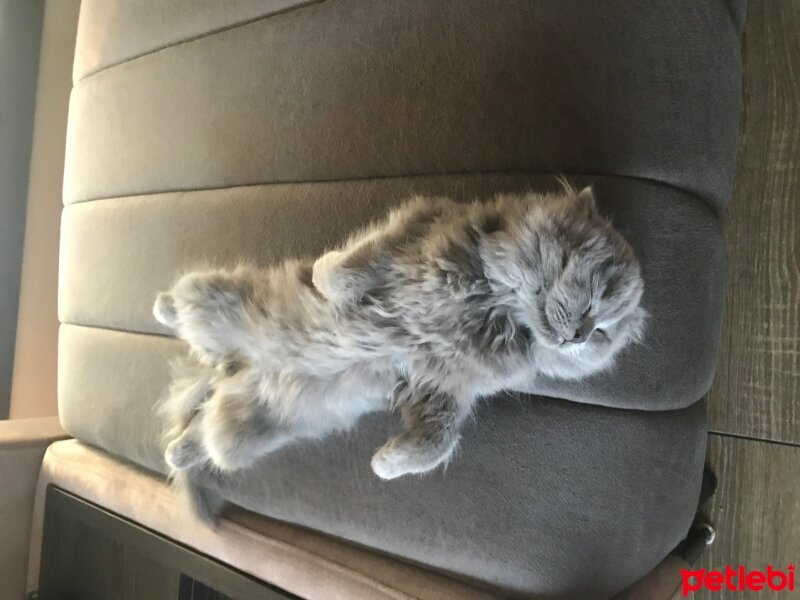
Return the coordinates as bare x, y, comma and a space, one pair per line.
439, 305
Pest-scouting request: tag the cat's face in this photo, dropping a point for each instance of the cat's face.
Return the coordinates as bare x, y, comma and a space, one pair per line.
576, 280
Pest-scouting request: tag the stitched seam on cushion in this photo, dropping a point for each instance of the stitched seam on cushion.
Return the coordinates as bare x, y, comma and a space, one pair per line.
154, 334
198, 36
28, 447
684, 190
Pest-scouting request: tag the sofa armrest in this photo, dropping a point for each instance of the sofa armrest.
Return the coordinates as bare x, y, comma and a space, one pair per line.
22, 446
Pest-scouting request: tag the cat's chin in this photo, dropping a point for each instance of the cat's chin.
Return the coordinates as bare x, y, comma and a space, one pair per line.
595, 343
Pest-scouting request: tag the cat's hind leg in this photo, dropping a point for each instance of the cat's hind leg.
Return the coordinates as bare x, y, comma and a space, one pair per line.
192, 385
239, 428
187, 450
230, 432
432, 421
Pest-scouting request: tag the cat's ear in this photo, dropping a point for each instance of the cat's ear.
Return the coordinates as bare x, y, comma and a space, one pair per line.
585, 203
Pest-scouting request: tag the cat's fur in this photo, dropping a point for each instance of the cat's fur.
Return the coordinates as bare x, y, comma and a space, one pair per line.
424, 313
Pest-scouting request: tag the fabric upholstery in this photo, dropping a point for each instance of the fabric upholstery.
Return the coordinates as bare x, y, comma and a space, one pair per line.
114, 32
22, 445
274, 130
341, 90
302, 562
662, 583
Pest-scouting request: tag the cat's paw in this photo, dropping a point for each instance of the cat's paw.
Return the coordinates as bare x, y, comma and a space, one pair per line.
407, 454
399, 457
208, 311
183, 453
388, 463
326, 276
164, 310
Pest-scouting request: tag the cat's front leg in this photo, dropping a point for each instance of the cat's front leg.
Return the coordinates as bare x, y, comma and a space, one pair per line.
347, 274
342, 277
164, 310
432, 421
207, 310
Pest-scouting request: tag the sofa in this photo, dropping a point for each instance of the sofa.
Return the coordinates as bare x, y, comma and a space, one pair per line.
212, 133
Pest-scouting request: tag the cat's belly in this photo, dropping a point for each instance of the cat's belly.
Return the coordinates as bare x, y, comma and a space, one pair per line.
463, 374
319, 403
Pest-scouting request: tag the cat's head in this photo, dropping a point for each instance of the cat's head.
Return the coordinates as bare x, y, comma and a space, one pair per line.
572, 279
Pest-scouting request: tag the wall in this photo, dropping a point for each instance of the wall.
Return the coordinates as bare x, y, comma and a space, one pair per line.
20, 30
34, 378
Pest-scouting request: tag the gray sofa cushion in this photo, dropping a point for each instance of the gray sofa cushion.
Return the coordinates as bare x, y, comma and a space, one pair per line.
343, 90
261, 133
110, 33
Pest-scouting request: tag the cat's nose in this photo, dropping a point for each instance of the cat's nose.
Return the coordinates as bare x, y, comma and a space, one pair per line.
577, 338
581, 335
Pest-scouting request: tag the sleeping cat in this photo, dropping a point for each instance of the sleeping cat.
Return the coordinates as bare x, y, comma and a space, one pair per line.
439, 305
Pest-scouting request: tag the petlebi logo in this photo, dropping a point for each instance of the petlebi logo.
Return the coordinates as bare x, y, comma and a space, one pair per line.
739, 579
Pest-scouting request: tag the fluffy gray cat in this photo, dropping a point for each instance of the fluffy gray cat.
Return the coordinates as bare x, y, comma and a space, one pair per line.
425, 312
